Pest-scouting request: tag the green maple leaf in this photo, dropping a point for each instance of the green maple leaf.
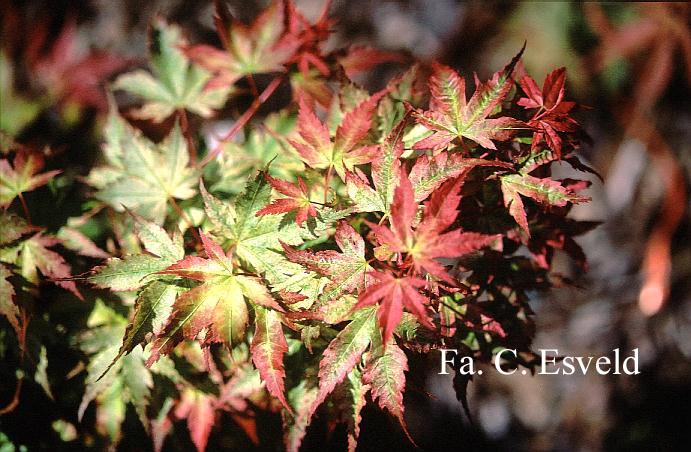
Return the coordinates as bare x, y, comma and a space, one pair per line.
392, 108
141, 175
256, 241
17, 111
301, 398
349, 398
176, 83
152, 307
429, 173
385, 374
263, 146
129, 380
345, 352
133, 272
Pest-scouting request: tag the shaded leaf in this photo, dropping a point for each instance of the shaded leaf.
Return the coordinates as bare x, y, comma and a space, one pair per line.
22, 175
546, 191
175, 84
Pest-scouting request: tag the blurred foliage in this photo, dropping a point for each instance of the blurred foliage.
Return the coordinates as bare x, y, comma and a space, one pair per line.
629, 62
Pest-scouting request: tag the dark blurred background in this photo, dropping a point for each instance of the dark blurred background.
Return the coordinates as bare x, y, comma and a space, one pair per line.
628, 64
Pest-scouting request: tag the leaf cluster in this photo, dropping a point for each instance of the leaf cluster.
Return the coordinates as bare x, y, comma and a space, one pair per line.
295, 268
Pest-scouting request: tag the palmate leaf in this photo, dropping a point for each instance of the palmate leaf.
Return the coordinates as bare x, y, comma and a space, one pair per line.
451, 116
140, 175
33, 256
394, 294
347, 149
386, 171
297, 198
346, 270
152, 307
261, 47
216, 307
301, 399
429, 173
428, 241
265, 146
383, 373
22, 175
133, 272
13, 227
199, 408
176, 83
256, 241
553, 114
402, 93
546, 192
349, 399
129, 380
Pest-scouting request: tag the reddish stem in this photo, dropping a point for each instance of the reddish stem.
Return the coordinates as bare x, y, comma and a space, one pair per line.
242, 120
25, 207
253, 85
185, 124
187, 219
327, 181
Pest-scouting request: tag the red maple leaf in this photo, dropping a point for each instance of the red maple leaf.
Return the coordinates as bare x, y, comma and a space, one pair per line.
428, 241
451, 116
22, 175
359, 58
317, 149
310, 38
67, 71
297, 199
263, 46
552, 116
199, 408
395, 293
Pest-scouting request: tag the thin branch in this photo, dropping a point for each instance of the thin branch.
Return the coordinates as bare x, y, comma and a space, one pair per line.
185, 125
253, 85
327, 181
25, 207
186, 218
15, 399
242, 120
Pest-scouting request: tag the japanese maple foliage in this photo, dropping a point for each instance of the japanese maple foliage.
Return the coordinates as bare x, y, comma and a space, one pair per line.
371, 226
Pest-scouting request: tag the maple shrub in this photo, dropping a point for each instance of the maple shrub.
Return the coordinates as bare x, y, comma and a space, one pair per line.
293, 261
